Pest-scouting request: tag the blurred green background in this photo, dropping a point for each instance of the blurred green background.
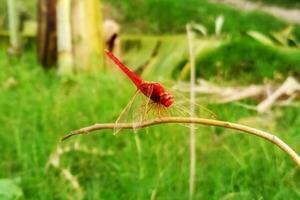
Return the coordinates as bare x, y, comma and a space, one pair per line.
37, 107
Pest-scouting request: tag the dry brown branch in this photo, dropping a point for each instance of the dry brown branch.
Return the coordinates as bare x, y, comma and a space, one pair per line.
223, 94
208, 122
268, 94
251, 91
289, 87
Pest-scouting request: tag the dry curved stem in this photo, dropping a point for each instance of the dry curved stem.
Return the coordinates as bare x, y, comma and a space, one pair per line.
208, 122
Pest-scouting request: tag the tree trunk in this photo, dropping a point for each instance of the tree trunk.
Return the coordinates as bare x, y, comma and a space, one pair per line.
87, 35
14, 35
46, 38
64, 37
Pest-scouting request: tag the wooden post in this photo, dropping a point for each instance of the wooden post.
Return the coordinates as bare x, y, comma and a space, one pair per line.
14, 36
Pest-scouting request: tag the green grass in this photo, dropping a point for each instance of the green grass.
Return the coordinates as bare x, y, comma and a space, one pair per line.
247, 61
42, 107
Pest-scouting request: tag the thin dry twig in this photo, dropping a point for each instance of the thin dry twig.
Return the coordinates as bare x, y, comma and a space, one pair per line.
192, 110
208, 122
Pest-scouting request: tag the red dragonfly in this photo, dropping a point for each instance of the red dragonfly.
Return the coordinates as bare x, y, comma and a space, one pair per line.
155, 93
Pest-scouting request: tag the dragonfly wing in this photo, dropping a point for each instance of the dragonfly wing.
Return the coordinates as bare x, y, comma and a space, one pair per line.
182, 106
135, 112
183, 103
144, 110
123, 117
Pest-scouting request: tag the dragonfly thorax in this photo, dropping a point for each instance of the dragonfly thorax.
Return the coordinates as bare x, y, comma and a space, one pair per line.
157, 93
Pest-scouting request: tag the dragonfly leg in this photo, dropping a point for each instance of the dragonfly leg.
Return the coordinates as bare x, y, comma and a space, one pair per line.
152, 104
159, 110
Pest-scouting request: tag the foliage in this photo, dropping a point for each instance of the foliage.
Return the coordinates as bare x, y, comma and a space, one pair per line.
237, 59
149, 18
9, 189
170, 53
284, 39
217, 58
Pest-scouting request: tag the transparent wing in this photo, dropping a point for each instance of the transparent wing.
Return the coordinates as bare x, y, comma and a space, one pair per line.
136, 111
124, 115
144, 110
182, 105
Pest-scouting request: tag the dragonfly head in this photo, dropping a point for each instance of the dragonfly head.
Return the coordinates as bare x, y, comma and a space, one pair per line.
166, 99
